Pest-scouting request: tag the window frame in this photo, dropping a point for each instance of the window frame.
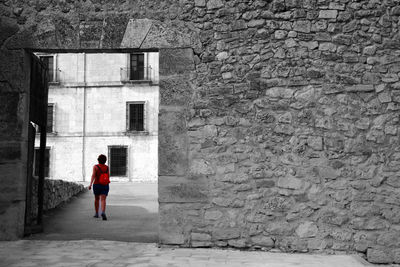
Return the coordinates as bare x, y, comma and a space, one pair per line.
130, 66
128, 113
54, 78
110, 147
53, 119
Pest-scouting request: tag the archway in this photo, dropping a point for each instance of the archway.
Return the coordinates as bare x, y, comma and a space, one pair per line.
177, 58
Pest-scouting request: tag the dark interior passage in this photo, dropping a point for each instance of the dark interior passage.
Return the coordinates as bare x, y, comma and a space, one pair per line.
132, 216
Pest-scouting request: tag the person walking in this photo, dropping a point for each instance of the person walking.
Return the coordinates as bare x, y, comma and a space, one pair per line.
100, 189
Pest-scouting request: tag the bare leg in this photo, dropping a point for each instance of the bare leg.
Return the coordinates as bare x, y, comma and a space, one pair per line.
103, 207
96, 203
103, 203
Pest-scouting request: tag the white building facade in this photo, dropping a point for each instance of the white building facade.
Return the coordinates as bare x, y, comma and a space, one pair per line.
102, 104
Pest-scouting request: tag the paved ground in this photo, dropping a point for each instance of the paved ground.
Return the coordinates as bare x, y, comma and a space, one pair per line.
68, 239
132, 209
111, 253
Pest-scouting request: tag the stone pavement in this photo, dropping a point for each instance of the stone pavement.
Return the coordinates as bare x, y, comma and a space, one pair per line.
132, 209
25, 253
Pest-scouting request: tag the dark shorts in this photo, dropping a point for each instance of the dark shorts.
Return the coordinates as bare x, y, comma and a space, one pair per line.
99, 189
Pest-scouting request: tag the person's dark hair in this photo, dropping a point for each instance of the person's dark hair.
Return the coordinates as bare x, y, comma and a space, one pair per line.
102, 159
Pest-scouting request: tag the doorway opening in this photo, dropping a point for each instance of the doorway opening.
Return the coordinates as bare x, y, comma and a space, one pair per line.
102, 103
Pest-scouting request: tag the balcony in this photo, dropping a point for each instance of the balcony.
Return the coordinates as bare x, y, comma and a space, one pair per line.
137, 75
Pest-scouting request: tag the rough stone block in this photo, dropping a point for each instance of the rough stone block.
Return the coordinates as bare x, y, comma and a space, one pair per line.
307, 229
302, 26
328, 14
396, 256
374, 223
315, 142
214, 4
290, 183
173, 189
379, 256
200, 167
278, 228
360, 88
173, 143
263, 241
200, 237
200, 3
171, 228
317, 244
225, 233
237, 243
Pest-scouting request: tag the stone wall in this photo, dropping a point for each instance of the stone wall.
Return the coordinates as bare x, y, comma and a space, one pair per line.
278, 119
56, 192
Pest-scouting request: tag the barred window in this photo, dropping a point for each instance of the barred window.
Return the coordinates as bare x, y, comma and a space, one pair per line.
50, 115
135, 116
118, 158
46, 162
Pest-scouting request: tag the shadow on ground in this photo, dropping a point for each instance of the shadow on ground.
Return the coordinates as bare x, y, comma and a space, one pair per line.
132, 211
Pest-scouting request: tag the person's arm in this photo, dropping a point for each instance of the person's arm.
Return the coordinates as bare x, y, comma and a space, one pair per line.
93, 177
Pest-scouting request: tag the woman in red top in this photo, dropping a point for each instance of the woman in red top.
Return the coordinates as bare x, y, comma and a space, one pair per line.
100, 191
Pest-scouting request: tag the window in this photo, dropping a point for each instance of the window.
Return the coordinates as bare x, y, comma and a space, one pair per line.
49, 64
50, 118
136, 118
46, 162
118, 158
137, 66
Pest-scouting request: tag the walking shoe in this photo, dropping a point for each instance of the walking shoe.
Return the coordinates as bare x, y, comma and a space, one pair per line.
96, 215
103, 215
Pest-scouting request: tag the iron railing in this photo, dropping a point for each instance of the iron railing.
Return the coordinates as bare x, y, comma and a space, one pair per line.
136, 74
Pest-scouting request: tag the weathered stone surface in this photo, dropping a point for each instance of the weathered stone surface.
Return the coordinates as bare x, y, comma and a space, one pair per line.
56, 192
263, 241
290, 183
182, 190
175, 90
171, 231
163, 35
173, 144
327, 14
307, 229
8, 28
200, 236
302, 26
225, 233
379, 256
176, 61
280, 109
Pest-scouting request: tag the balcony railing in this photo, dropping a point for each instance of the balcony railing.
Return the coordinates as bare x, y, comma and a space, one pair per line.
144, 74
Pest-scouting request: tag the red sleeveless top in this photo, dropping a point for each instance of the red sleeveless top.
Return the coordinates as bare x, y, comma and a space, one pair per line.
103, 168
